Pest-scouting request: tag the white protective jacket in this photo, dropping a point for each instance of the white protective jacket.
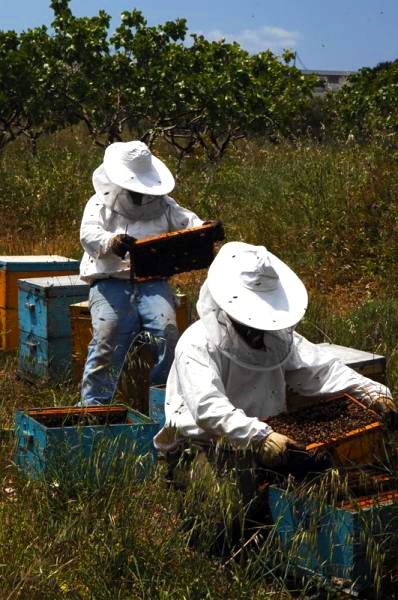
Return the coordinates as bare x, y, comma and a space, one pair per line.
110, 212
209, 395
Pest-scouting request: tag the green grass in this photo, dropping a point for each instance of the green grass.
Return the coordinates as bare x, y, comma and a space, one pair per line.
331, 213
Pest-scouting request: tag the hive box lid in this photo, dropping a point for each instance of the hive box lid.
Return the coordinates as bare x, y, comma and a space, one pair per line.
65, 285
351, 356
49, 262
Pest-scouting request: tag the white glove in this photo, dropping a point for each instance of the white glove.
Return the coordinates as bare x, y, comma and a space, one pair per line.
386, 409
273, 450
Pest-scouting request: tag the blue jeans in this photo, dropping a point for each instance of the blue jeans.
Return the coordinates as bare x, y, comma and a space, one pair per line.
119, 311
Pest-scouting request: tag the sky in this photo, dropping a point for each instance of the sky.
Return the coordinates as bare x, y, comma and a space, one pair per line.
326, 34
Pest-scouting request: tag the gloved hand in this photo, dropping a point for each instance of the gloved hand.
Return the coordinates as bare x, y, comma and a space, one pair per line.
274, 449
121, 244
386, 409
218, 230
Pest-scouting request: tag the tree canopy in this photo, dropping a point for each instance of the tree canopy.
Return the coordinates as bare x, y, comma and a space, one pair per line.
152, 80
158, 81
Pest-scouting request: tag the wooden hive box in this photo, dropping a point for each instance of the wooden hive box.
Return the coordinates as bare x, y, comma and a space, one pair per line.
157, 394
80, 320
342, 425
75, 443
45, 349
13, 268
334, 541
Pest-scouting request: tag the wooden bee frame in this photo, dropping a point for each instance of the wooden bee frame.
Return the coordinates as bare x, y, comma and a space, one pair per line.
176, 252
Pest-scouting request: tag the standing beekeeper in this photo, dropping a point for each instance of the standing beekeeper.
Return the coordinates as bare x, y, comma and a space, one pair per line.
232, 366
130, 203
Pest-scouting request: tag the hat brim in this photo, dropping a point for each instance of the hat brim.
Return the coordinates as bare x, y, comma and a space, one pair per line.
157, 181
272, 310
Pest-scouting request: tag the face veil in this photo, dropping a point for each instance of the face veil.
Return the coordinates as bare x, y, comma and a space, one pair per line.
276, 347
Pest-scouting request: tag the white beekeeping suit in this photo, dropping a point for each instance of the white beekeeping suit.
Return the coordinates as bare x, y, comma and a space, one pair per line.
131, 202
220, 387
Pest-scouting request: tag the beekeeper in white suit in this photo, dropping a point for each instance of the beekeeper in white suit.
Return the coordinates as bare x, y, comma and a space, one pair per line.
131, 202
232, 366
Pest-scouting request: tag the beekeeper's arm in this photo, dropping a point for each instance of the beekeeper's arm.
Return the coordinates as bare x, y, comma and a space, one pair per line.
180, 217
314, 371
202, 388
95, 239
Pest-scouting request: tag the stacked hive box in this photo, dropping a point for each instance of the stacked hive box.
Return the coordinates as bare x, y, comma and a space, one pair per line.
13, 268
336, 541
45, 329
80, 319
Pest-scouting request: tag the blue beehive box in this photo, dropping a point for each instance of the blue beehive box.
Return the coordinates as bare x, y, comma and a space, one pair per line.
82, 443
157, 395
13, 268
45, 349
337, 544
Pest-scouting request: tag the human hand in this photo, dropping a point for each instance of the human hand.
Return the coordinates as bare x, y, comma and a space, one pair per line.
121, 244
386, 408
273, 450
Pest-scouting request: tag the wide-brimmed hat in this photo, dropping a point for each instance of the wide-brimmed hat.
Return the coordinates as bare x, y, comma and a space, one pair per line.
256, 288
132, 166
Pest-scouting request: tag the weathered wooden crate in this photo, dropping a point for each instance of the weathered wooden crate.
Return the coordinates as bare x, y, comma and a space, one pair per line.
80, 319
46, 336
339, 543
78, 443
13, 268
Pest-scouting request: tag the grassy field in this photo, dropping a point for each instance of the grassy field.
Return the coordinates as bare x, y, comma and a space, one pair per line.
331, 213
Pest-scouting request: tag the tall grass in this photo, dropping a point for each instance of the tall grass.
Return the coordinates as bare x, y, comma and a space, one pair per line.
330, 212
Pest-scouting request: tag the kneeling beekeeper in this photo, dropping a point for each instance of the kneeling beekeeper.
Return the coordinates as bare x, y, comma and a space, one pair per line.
232, 366
130, 203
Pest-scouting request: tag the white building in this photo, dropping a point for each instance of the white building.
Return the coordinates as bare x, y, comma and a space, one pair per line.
328, 80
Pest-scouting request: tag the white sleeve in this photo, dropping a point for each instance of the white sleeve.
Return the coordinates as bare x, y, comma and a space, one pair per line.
180, 217
314, 371
204, 393
94, 237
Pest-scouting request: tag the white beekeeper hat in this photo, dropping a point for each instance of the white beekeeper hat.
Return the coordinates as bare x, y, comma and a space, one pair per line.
132, 166
256, 288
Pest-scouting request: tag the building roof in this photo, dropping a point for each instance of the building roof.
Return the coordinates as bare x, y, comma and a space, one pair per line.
327, 72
